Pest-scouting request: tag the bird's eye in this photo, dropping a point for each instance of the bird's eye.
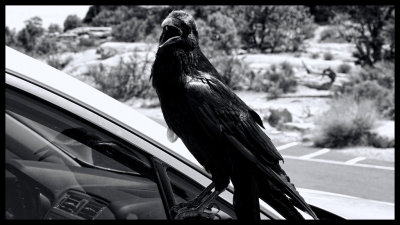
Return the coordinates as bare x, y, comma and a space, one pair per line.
166, 28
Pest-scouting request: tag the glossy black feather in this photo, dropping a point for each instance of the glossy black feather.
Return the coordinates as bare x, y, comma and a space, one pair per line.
219, 129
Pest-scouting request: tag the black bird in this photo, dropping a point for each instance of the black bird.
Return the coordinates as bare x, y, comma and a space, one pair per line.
219, 129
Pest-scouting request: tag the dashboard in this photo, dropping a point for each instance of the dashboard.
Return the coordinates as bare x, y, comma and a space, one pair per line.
69, 192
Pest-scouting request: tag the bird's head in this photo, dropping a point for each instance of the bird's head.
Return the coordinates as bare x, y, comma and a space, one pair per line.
179, 30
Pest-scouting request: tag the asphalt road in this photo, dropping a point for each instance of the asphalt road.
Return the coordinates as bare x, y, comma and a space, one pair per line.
363, 182
330, 171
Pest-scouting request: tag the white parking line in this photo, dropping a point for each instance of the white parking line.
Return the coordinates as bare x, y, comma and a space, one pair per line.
339, 163
285, 146
355, 160
317, 153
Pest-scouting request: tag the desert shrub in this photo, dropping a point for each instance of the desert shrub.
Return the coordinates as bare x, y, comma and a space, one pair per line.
348, 122
331, 35
274, 92
232, 69
54, 28
382, 97
374, 83
11, 36
380, 142
28, 36
127, 79
86, 42
328, 56
71, 22
58, 62
327, 34
382, 72
278, 79
46, 46
129, 31
343, 68
218, 35
274, 28
315, 55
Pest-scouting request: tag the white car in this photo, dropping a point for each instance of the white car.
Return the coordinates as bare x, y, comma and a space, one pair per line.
73, 152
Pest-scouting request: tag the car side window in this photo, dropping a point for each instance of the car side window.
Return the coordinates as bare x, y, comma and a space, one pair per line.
43, 140
53, 132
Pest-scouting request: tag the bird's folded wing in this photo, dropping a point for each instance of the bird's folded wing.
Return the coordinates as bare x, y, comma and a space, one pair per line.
223, 114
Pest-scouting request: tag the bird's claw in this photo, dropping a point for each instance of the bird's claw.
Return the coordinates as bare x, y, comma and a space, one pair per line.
191, 211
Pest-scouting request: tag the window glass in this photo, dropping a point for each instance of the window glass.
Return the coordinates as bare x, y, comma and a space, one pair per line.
54, 157
64, 131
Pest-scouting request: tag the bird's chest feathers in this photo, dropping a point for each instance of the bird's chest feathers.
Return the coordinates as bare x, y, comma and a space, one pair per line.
170, 70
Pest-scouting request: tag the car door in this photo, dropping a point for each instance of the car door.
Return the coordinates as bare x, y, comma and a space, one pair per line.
53, 155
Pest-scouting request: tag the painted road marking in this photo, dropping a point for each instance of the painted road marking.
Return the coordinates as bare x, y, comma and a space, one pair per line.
291, 144
317, 153
339, 163
355, 160
341, 195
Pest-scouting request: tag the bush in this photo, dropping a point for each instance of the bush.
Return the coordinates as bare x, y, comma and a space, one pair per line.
382, 97
276, 80
46, 46
233, 70
217, 34
374, 83
279, 77
328, 56
127, 79
129, 31
28, 36
72, 22
315, 55
382, 72
348, 122
58, 62
86, 42
344, 68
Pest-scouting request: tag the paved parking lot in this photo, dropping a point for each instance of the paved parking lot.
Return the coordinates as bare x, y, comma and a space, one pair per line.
337, 172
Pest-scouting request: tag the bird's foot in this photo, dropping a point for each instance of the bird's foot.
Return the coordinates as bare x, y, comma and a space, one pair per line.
191, 210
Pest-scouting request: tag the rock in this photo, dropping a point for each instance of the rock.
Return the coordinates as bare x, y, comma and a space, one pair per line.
384, 128
382, 135
279, 116
98, 32
297, 126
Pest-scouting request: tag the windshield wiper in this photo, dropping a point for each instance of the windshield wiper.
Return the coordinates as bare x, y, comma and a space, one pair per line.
86, 164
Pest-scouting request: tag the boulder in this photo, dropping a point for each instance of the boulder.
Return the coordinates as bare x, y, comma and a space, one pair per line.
279, 116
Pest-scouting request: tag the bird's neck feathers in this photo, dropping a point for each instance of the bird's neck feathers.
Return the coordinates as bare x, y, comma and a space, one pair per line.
172, 67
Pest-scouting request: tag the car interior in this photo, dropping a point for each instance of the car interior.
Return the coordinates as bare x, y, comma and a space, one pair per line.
59, 166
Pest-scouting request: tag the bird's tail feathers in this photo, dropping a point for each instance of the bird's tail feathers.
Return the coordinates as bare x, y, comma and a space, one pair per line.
282, 181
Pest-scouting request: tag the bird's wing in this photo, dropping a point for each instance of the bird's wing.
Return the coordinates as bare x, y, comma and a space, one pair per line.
223, 114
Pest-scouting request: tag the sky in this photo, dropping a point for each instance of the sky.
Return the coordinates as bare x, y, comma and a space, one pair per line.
17, 14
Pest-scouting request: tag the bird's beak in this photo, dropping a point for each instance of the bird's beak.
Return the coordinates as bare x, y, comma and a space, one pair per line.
170, 32
170, 41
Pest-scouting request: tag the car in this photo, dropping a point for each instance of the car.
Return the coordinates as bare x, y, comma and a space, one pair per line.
73, 152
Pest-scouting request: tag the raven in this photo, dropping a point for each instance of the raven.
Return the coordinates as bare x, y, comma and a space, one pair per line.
224, 134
